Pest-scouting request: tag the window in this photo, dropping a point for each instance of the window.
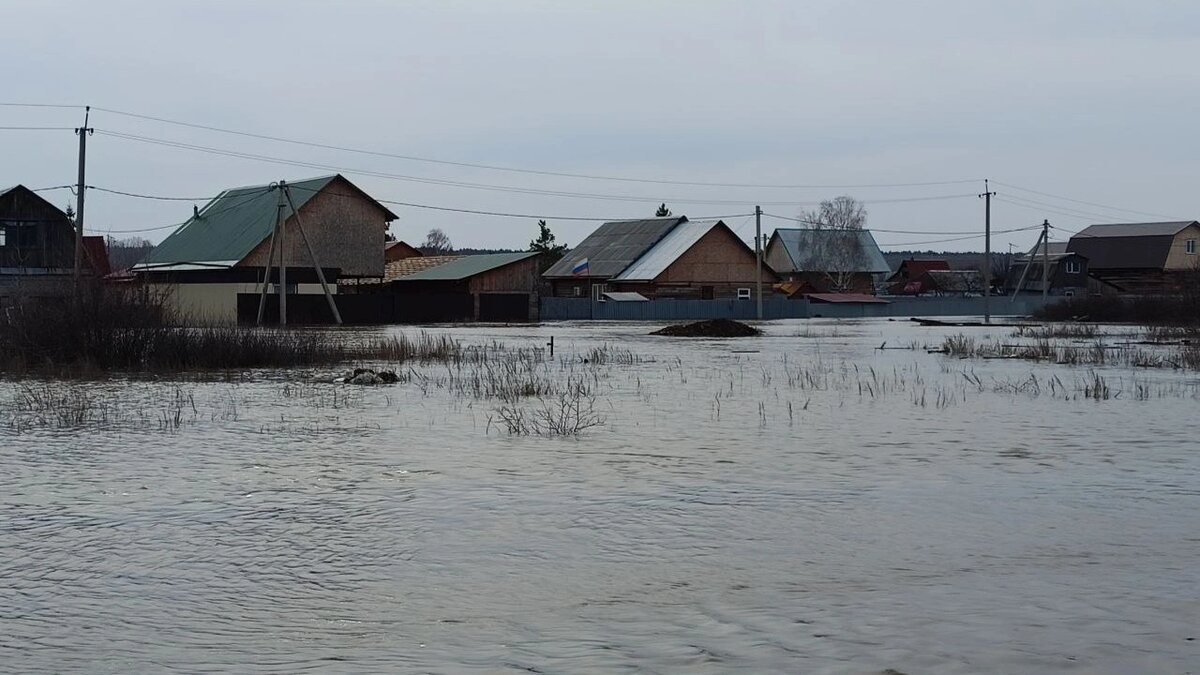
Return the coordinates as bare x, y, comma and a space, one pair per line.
743, 294
1189, 247
578, 291
3, 237
1073, 267
707, 292
598, 292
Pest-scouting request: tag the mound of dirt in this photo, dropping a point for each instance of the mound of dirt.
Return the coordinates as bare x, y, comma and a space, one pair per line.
711, 328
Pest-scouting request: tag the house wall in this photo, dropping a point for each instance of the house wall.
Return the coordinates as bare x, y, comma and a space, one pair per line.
37, 235
720, 260
345, 228
776, 256
565, 288
215, 303
1178, 258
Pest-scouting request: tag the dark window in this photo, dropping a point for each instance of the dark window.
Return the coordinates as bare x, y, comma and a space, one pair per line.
706, 292
1189, 246
1073, 267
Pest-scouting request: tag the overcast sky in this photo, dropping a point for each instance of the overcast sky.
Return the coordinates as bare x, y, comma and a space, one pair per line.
1090, 100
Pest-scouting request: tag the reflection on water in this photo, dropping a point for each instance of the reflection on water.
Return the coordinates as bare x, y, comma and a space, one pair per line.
801, 502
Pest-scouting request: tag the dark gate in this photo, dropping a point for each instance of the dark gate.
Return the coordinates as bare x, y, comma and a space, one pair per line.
503, 307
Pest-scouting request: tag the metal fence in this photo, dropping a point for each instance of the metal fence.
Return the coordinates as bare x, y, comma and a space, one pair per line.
565, 309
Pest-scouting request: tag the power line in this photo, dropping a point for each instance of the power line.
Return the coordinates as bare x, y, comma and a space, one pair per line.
1080, 201
477, 186
492, 167
953, 239
872, 229
37, 128
1060, 207
1045, 209
38, 105
145, 196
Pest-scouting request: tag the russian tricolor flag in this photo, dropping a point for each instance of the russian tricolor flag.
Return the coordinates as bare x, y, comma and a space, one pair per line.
580, 269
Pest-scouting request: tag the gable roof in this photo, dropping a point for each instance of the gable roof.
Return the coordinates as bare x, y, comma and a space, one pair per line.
96, 253
914, 267
1127, 245
230, 226
667, 250
1165, 229
803, 245
467, 266
957, 281
614, 246
30, 193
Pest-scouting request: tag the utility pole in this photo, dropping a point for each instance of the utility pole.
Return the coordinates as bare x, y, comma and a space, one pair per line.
282, 257
337, 316
1045, 258
80, 189
758, 253
987, 252
262, 298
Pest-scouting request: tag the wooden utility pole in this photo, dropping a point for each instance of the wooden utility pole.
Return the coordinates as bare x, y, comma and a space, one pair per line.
337, 316
987, 252
262, 298
80, 189
1045, 258
282, 257
1028, 264
758, 253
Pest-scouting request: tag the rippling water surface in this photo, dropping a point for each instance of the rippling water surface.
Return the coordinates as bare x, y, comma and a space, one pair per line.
800, 502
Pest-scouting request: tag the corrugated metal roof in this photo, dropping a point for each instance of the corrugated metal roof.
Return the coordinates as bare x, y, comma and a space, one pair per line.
955, 281
236, 221
1127, 246
626, 296
804, 247
668, 249
467, 266
231, 225
853, 298
614, 246
1166, 229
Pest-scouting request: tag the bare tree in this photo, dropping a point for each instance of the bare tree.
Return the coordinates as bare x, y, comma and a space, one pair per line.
437, 243
836, 241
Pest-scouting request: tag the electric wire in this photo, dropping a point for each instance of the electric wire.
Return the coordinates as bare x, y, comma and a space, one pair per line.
1080, 201
491, 167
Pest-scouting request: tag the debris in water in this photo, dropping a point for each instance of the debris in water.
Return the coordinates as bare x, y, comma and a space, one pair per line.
710, 328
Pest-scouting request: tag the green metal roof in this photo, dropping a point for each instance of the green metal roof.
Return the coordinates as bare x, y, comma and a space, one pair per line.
468, 266
231, 225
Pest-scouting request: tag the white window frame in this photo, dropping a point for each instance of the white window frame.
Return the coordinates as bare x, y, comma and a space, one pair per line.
598, 291
3, 236
1189, 246
743, 294
578, 291
1073, 267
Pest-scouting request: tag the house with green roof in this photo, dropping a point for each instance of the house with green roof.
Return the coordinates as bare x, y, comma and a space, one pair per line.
220, 252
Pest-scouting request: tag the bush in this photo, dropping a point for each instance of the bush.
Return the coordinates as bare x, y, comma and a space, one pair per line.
128, 329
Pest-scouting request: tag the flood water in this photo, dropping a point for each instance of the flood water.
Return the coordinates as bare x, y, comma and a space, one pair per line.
801, 502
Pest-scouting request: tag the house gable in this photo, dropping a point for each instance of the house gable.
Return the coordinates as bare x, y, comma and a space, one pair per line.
719, 257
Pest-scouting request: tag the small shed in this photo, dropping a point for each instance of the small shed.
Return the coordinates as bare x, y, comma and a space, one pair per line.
906, 280
489, 287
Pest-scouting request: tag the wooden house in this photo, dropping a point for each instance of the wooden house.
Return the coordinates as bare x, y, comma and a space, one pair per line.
659, 258
1140, 257
1068, 272
399, 250
907, 278
827, 260
37, 248
225, 244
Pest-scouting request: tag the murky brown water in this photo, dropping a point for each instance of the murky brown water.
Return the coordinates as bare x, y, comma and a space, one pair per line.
910, 512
